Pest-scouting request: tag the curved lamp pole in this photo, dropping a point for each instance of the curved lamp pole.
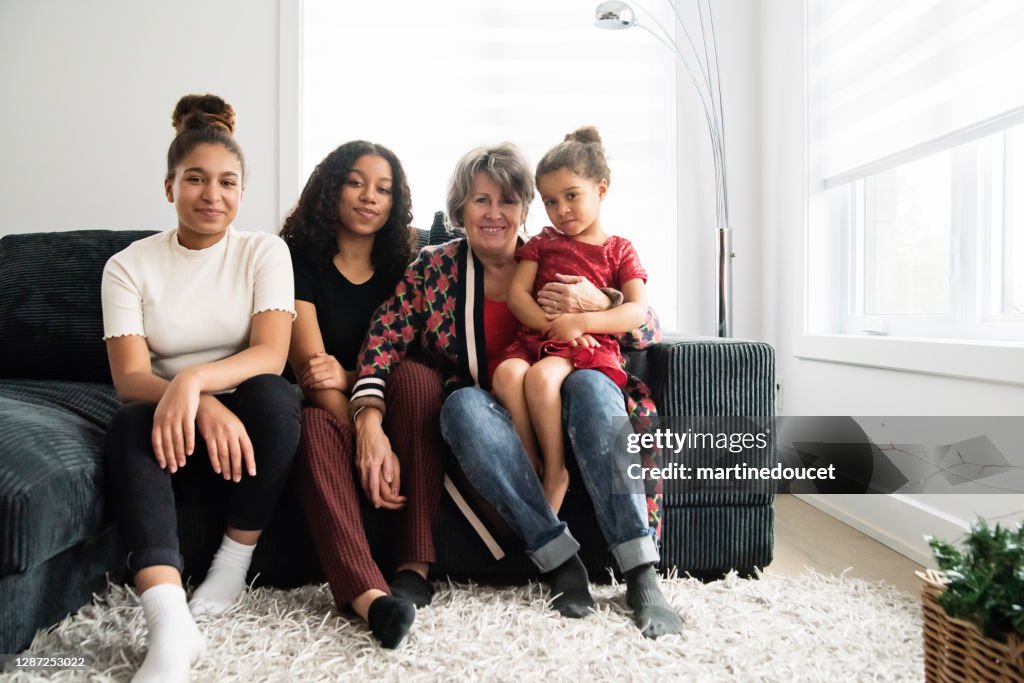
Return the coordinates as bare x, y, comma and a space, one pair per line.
702, 68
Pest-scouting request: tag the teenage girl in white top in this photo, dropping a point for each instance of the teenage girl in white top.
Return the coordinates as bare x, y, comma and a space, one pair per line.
197, 322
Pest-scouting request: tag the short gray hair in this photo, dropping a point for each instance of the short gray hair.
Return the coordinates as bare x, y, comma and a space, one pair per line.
506, 166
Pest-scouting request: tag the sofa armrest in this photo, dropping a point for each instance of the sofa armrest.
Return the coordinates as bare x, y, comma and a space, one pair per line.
711, 376
708, 533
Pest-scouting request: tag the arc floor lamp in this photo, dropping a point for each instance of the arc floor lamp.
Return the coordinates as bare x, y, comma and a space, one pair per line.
701, 64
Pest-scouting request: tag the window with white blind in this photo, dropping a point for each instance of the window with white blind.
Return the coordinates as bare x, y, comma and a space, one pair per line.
917, 168
431, 80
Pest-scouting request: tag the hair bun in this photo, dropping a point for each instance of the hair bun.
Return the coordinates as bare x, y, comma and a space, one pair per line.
588, 135
200, 111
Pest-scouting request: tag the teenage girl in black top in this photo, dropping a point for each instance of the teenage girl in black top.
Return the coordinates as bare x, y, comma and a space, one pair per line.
350, 242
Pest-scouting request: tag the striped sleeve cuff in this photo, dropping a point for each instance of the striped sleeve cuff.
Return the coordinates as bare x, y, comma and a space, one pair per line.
368, 392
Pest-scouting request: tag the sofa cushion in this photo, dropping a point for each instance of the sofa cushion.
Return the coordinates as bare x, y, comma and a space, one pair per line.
51, 473
440, 231
51, 322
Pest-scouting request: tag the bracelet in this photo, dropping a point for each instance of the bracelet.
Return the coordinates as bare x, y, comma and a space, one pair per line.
355, 413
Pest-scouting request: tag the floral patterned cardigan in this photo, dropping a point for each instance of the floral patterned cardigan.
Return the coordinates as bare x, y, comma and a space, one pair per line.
438, 309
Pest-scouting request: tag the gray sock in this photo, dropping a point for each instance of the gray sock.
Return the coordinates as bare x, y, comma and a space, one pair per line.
652, 613
571, 587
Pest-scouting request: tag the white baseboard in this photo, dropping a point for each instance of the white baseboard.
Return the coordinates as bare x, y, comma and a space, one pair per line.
898, 521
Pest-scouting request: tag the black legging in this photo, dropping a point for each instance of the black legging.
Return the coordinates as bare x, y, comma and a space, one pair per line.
141, 494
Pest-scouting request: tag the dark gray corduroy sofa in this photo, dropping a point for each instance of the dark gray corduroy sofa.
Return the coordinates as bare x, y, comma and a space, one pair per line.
57, 545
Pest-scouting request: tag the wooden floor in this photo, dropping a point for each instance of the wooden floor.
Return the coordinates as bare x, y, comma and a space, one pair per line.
807, 537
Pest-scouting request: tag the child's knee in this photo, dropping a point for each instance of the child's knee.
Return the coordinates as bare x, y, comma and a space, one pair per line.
545, 378
509, 376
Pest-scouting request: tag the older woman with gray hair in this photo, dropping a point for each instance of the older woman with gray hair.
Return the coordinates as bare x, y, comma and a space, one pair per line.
451, 304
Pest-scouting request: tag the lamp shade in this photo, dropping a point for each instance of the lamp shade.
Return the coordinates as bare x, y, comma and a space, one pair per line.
614, 15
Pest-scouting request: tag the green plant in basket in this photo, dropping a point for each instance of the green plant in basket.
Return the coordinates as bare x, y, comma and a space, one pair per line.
986, 581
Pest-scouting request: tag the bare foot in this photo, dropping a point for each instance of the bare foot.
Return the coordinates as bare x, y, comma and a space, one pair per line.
555, 484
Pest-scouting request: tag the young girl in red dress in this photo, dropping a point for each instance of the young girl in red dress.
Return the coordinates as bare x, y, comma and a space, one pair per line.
572, 179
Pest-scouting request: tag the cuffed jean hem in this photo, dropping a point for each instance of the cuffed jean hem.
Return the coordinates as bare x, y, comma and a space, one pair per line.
555, 552
636, 552
152, 557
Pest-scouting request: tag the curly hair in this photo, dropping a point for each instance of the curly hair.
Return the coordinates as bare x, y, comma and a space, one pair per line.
311, 228
582, 153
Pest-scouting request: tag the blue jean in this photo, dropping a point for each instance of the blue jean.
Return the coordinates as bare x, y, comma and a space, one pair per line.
484, 441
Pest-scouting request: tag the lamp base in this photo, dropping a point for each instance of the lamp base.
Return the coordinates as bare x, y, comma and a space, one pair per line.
723, 274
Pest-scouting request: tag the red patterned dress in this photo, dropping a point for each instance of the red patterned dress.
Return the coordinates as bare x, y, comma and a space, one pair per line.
606, 265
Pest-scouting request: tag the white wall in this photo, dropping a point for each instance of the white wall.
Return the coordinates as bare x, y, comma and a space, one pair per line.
737, 24
822, 388
88, 92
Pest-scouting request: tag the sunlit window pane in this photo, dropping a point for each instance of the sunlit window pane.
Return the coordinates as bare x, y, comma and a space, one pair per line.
907, 226
1013, 236
432, 80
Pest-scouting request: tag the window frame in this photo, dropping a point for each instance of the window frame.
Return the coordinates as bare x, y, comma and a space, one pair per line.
985, 360
977, 275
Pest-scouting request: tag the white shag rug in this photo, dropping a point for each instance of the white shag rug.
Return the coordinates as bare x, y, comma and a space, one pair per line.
811, 628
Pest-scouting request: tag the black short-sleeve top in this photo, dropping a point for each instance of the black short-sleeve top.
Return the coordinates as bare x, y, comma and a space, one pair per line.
343, 308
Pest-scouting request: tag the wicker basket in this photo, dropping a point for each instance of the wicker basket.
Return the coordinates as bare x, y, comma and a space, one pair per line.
956, 650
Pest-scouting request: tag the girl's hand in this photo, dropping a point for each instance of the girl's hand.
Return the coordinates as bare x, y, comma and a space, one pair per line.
324, 372
373, 448
585, 340
571, 294
174, 430
567, 327
227, 442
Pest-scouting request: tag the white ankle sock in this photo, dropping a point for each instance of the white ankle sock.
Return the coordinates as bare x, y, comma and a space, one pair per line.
174, 639
225, 581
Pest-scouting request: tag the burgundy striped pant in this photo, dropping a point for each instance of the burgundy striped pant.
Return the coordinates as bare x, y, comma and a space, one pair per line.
328, 485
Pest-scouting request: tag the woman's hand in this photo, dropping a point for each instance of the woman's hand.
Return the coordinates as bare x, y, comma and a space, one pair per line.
571, 294
391, 470
174, 432
323, 371
227, 442
568, 327
376, 462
